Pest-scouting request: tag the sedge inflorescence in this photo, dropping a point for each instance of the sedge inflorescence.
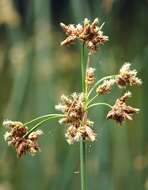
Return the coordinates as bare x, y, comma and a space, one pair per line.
76, 118
105, 87
92, 36
88, 32
75, 107
127, 76
120, 112
17, 136
90, 75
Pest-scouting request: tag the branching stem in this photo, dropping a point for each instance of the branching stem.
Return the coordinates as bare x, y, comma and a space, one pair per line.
43, 121
92, 99
98, 104
42, 117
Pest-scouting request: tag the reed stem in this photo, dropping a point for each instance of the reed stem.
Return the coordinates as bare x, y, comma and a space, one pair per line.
82, 68
82, 142
83, 164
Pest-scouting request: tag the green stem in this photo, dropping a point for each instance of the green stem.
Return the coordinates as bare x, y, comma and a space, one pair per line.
82, 67
41, 122
86, 84
82, 142
100, 103
83, 164
42, 117
99, 81
92, 99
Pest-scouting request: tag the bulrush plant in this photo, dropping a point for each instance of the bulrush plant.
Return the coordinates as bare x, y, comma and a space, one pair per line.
74, 108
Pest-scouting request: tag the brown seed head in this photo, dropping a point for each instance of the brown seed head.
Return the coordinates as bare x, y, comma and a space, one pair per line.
72, 107
105, 87
90, 76
75, 117
127, 76
75, 134
120, 111
15, 136
90, 33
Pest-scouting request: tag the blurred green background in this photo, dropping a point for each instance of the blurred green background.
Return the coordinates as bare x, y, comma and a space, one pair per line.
35, 71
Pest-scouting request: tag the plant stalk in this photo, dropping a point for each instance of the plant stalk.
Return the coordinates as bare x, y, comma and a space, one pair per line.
100, 103
43, 117
82, 142
53, 116
83, 164
82, 68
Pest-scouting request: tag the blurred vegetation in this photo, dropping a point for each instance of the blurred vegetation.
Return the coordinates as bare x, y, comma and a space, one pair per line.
35, 71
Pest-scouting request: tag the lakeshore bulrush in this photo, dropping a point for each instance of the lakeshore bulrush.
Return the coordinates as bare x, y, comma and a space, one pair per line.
74, 107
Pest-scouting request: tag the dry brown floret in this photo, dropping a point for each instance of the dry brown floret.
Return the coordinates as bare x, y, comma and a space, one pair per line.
17, 137
127, 76
120, 112
90, 33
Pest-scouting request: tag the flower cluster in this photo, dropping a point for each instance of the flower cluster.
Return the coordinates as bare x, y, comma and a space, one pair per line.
18, 137
75, 107
105, 87
120, 111
89, 33
127, 76
90, 76
75, 117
